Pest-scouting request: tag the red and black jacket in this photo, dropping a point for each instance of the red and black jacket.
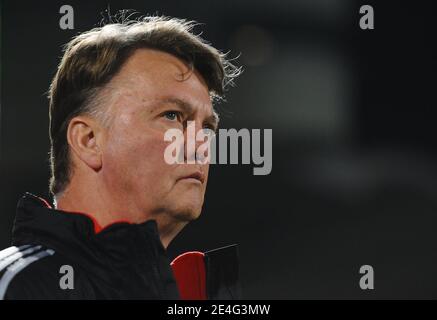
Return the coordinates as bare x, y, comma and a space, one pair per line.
121, 261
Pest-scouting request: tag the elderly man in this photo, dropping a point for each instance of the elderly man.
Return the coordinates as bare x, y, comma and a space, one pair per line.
117, 202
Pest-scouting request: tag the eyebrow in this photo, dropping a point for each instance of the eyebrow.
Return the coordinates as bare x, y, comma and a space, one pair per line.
189, 109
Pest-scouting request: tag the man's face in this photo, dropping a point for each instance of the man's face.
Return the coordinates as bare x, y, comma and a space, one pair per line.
153, 92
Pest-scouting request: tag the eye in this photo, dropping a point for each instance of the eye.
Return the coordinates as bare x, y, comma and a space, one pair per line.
172, 115
211, 127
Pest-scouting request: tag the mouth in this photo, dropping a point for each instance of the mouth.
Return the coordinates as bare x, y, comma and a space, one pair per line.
195, 177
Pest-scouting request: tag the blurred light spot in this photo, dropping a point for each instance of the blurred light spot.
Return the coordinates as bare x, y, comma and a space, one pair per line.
254, 43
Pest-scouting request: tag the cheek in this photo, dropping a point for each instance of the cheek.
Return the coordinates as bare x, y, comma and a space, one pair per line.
136, 156
206, 170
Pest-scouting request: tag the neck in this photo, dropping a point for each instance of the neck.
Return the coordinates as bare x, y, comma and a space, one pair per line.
106, 210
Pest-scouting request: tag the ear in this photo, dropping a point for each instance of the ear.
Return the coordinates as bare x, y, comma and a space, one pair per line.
83, 136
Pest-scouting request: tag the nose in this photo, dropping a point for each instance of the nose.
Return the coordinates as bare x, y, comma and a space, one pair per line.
196, 150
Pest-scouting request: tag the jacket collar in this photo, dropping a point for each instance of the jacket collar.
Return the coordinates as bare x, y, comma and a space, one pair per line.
118, 248
36, 218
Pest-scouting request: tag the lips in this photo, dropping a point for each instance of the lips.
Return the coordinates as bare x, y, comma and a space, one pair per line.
195, 175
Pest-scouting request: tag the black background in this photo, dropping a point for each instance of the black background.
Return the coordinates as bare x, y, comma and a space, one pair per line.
354, 149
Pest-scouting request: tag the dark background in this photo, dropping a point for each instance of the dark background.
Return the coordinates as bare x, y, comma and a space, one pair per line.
354, 177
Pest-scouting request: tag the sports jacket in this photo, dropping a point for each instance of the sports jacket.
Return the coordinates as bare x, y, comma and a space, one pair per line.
62, 255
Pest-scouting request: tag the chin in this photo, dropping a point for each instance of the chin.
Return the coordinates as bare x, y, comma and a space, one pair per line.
187, 211
187, 214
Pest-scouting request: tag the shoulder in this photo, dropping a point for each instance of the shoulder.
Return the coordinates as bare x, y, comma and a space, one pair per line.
30, 272
21, 269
